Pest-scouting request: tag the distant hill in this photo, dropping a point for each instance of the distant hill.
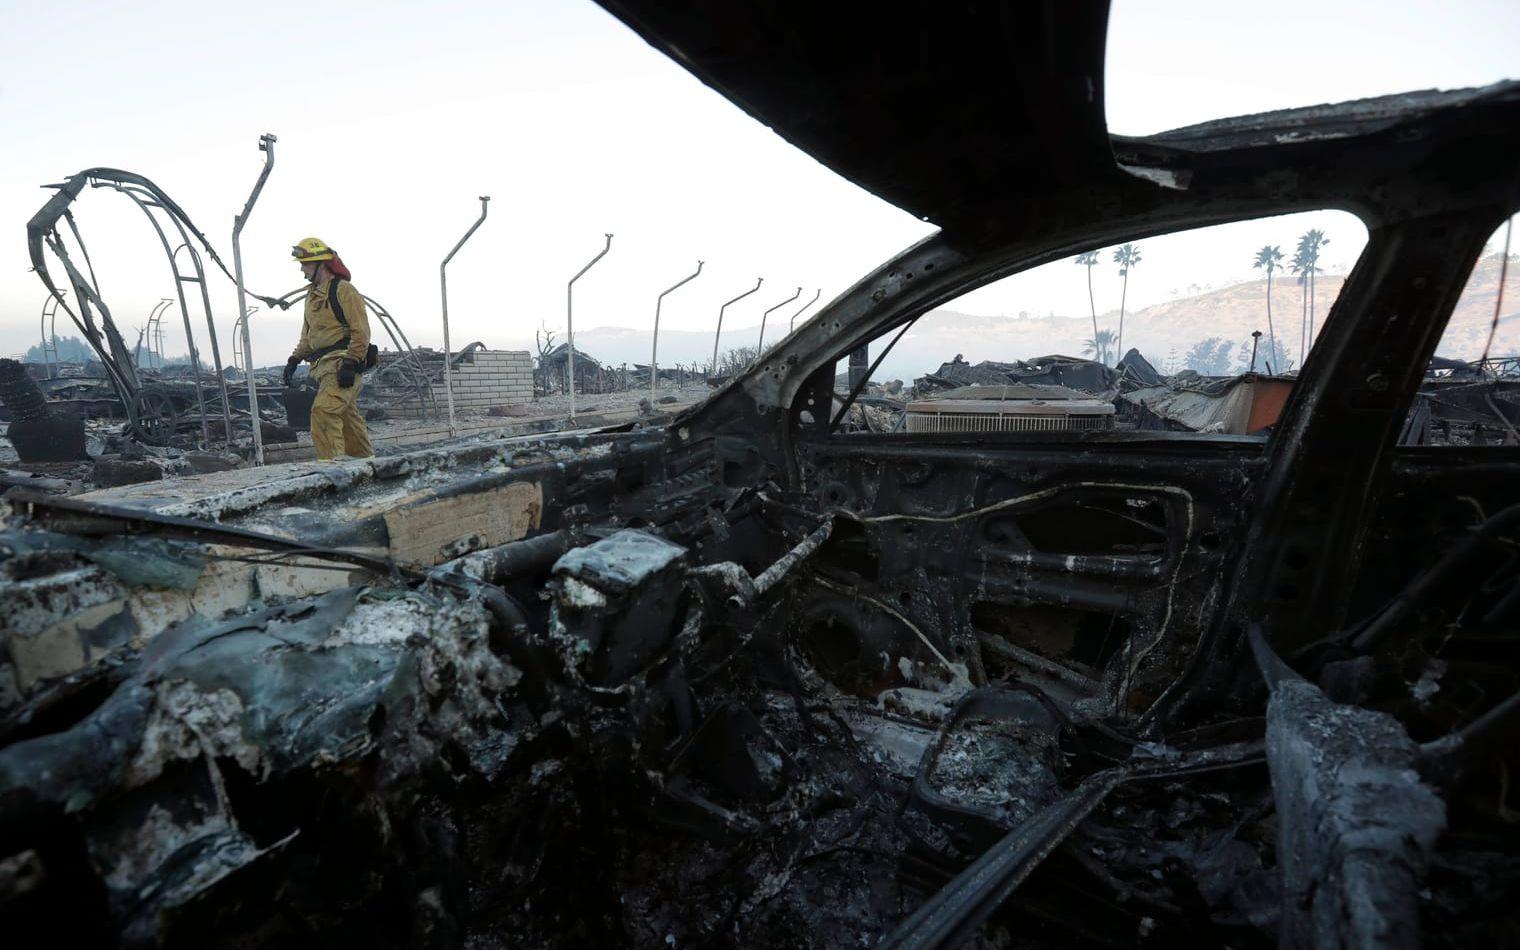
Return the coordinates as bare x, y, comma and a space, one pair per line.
617, 345
1164, 332
1468, 328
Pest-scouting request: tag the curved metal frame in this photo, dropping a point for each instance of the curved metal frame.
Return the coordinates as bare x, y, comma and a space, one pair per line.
407, 363
48, 327
148, 202
154, 331
43, 235
237, 329
114, 355
135, 193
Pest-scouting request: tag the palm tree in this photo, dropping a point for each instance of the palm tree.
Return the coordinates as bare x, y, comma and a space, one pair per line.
1127, 256
1300, 266
1270, 258
1090, 260
1309, 246
1099, 345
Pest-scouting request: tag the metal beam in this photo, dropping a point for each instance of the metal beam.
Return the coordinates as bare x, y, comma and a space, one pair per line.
714, 369
266, 145
570, 323
443, 287
793, 324
654, 353
760, 346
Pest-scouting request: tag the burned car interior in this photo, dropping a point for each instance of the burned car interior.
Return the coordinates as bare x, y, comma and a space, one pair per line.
762, 677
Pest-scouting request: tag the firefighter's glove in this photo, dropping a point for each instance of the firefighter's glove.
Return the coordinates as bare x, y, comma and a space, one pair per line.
290, 369
346, 373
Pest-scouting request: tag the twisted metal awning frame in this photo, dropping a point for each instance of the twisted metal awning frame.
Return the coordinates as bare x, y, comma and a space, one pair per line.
185, 248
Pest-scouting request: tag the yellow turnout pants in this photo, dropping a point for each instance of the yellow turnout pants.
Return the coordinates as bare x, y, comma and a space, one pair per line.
337, 428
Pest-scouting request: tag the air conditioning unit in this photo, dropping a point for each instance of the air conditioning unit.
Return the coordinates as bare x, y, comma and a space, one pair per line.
1017, 407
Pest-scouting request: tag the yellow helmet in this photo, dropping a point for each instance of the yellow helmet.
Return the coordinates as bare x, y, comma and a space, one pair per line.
312, 249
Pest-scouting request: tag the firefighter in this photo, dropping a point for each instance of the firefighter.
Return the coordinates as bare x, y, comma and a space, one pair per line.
335, 340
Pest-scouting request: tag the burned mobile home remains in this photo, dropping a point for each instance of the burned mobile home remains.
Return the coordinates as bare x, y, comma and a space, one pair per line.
203, 406
752, 679
195, 406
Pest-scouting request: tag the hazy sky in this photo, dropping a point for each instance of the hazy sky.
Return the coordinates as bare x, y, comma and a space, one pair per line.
393, 117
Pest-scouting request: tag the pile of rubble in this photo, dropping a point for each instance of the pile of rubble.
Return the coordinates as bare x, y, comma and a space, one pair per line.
1075, 373
1460, 403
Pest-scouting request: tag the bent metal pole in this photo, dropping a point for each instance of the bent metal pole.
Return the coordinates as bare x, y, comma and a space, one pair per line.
443, 287
570, 324
266, 145
654, 353
713, 370
793, 325
760, 346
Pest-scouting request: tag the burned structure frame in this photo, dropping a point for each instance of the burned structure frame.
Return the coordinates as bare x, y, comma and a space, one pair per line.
144, 412
105, 339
